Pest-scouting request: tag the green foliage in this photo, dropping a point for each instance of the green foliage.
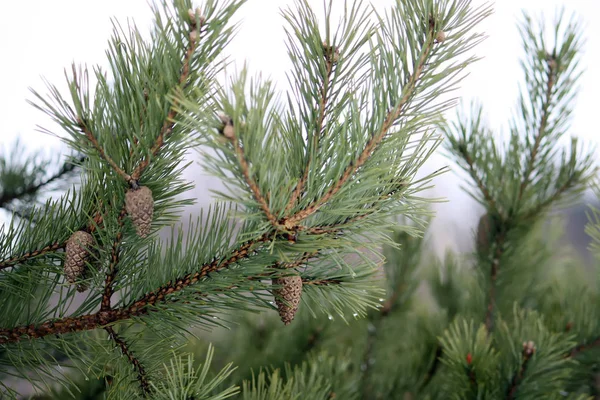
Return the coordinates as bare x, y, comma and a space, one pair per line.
312, 180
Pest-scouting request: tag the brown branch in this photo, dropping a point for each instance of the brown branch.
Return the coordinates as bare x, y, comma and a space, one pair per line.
9, 262
113, 266
169, 121
138, 308
433, 368
489, 316
583, 347
478, 181
318, 132
90, 135
256, 192
372, 144
527, 353
13, 260
137, 365
551, 73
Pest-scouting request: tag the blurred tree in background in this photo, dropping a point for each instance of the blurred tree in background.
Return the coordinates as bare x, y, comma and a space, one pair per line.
322, 226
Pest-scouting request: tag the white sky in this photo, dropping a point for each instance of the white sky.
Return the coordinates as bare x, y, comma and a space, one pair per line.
41, 37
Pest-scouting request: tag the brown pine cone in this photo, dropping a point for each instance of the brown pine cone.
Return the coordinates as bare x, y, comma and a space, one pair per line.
77, 253
288, 296
139, 204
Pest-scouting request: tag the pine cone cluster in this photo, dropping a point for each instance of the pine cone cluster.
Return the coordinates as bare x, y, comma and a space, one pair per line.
288, 296
139, 204
77, 251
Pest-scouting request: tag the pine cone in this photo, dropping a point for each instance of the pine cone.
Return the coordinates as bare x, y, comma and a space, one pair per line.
288, 296
140, 207
77, 253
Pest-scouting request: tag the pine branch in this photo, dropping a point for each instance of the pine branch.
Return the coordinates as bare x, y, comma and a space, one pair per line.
137, 365
169, 123
433, 368
9, 262
551, 74
137, 308
478, 180
375, 140
33, 189
330, 61
528, 351
489, 317
230, 133
18, 259
92, 138
113, 266
583, 347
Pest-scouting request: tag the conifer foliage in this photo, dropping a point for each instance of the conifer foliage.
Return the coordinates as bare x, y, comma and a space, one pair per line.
314, 175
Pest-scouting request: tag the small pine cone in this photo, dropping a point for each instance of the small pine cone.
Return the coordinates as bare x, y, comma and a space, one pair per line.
440, 37
139, 204
288, 296
77, 253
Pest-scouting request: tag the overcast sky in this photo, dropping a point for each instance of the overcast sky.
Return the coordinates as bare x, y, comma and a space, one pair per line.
41, 37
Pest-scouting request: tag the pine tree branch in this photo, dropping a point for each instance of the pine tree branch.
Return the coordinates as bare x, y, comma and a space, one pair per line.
92, 138
478, 180
113, 266
33, 189
489, 316
551, 74
527, 353
137, 365
329, 60
169, 121
583, 347
375, 140
433, 368
245, 168
13, 260
138, 308
9, 262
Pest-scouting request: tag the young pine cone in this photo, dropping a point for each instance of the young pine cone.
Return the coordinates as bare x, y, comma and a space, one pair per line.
77, 253
288, 296
139, 204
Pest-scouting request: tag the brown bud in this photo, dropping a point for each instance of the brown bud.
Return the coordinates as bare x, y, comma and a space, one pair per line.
139, 204
77, 252
194, 36
227, 129
287, 297
440, 37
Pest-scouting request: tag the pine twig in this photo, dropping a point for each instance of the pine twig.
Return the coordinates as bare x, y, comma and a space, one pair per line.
551, 74
169, 121
583, 347
256, 192
113, 266
33, 189
489, 316
433, 368
329, 60
375, 140
478, 180
9, 262
527, 353
138, 308
92, 138
137, 365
